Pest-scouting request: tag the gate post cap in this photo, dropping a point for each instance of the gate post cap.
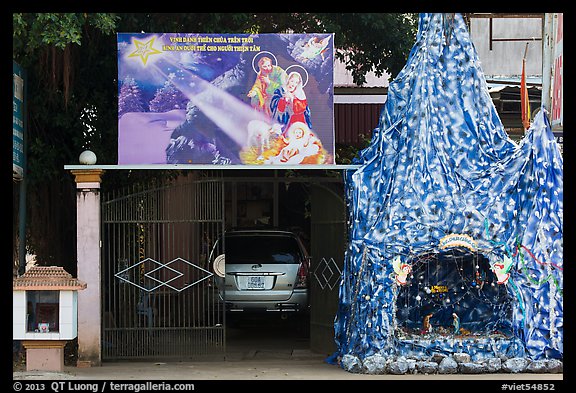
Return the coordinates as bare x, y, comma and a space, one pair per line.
87, 157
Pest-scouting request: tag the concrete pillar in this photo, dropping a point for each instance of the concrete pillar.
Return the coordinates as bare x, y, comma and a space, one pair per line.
89, 270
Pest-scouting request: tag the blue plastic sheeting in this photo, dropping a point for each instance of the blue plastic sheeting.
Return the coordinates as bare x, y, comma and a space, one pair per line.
478, 348
441, 182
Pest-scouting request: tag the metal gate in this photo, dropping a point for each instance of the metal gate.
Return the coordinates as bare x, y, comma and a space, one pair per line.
328, 221
159, 301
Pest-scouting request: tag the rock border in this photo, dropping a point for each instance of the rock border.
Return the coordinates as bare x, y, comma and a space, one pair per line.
457, 363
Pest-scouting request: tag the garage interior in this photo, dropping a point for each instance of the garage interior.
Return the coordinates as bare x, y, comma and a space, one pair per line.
159, 301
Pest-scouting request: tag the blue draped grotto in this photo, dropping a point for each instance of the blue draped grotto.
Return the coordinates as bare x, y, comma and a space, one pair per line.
455, 230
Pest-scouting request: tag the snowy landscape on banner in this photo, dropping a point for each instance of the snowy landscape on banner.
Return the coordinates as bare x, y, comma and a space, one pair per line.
264, 99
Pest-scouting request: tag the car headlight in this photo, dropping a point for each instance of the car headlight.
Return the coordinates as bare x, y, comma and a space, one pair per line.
219, 265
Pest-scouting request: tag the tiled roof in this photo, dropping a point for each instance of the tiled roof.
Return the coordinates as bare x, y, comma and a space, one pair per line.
52, 278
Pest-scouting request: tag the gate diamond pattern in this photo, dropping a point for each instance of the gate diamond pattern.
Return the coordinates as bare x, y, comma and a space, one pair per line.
327, 273
122, 275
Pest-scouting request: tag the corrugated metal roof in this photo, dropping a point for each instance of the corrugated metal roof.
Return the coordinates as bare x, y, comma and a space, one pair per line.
497, 88
497, 81
47, 278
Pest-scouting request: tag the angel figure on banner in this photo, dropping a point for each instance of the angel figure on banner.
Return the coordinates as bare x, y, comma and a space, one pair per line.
313, 48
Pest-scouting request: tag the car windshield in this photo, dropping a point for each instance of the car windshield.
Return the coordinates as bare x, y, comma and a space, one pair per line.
262, 249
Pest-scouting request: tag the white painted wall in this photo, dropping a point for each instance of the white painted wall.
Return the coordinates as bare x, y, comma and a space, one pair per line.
343, 77
505, 58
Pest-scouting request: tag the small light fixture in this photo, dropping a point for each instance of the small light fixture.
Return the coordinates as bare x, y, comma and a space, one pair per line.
87, 157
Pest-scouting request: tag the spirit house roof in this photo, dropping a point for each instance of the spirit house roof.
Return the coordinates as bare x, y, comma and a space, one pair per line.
47, 278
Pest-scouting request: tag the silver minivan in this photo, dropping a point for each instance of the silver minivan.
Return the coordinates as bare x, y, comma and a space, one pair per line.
262, 271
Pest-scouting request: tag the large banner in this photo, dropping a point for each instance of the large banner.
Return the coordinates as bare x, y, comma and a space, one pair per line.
225, 99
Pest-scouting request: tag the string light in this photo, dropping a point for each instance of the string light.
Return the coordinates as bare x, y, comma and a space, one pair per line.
444, 295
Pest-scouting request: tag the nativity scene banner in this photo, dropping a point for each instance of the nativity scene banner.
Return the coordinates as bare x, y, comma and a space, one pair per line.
244, 99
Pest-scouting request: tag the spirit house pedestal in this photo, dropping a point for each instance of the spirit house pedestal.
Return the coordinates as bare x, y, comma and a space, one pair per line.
45, 315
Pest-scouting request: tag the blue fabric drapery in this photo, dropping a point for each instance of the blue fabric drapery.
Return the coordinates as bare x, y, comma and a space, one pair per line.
440, 163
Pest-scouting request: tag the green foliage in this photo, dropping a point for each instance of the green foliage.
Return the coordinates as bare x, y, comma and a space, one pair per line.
34, 31
345, 154
378, 42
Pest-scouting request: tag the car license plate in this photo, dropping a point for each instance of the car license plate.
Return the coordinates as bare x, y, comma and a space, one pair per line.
255, 282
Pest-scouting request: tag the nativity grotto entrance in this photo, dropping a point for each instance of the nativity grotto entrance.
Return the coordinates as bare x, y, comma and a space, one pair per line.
452, 299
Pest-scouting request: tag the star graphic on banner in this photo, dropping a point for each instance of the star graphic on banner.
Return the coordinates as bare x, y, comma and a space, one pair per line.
144, 50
